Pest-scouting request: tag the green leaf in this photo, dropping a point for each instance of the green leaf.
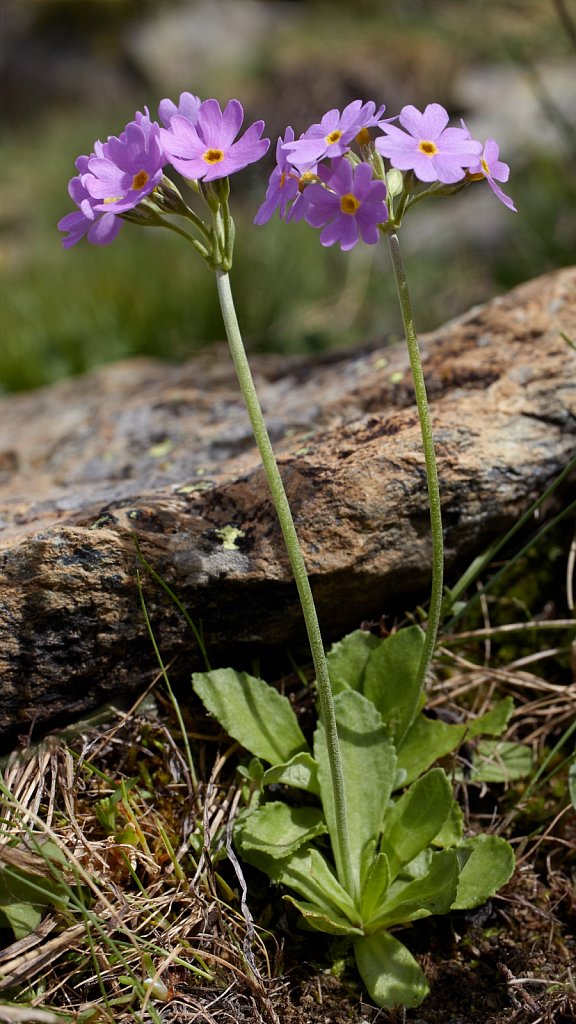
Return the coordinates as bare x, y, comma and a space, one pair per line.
22, 918
252, 712
308, 873
389, 971
500, 761
347, 660
253, 772
416, 818
24, 894
315, 917
301, 772
278, 830
429, 739
452, 831
489, 866
433, 894
369, 765
375, 886
493, 722
390, 679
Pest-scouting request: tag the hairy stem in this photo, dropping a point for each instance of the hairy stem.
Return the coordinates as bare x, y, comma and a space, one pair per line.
429, 456
342, 854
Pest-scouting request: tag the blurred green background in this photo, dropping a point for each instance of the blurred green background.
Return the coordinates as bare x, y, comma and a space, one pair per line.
76, 70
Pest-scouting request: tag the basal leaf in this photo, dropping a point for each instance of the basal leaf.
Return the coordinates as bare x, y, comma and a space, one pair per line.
24, 894
416, 818
500, 761
493, 722
375, 886
489, 866
308, 873
452, 831
22, 918
429, 739
390, 679
389, 971
277, 830
433, 894
252, 712
301, 772
315, 917
369, 763
347, 660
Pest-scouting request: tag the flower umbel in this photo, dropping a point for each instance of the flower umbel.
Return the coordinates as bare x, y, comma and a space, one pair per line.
348, 205
427, 147
332, 136
207, 149
127, 168
490, 167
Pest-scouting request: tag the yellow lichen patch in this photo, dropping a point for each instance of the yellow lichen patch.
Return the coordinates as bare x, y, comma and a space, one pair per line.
140, 179
428, 147
349, 203
213, 156
229, 535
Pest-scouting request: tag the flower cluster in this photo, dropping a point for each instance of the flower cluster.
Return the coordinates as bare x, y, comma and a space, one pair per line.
348, 199
198, 139
317, 178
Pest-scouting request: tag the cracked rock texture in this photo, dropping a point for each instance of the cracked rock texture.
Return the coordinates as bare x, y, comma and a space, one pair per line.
165, 453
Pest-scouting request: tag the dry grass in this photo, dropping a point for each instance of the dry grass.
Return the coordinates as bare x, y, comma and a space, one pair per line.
154, 924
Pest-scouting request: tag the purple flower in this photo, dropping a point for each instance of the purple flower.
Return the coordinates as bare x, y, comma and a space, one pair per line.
490, 167
427, 147
349, 203
128, 167
333, 135
188, 106
207, 149
283, 185
99, 228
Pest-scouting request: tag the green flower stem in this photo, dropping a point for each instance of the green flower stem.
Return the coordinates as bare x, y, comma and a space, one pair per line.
429, 456
298, 568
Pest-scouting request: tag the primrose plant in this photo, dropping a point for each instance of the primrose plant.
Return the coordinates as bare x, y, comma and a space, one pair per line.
372, 838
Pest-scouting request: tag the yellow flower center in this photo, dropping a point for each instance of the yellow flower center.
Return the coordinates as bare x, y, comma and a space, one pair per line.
427, 147
363, 137
334, 136
349, 203
485, 167
113, 199
213, 156
140, 179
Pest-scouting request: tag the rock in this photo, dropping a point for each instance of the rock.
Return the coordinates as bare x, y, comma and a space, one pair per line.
165, 453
